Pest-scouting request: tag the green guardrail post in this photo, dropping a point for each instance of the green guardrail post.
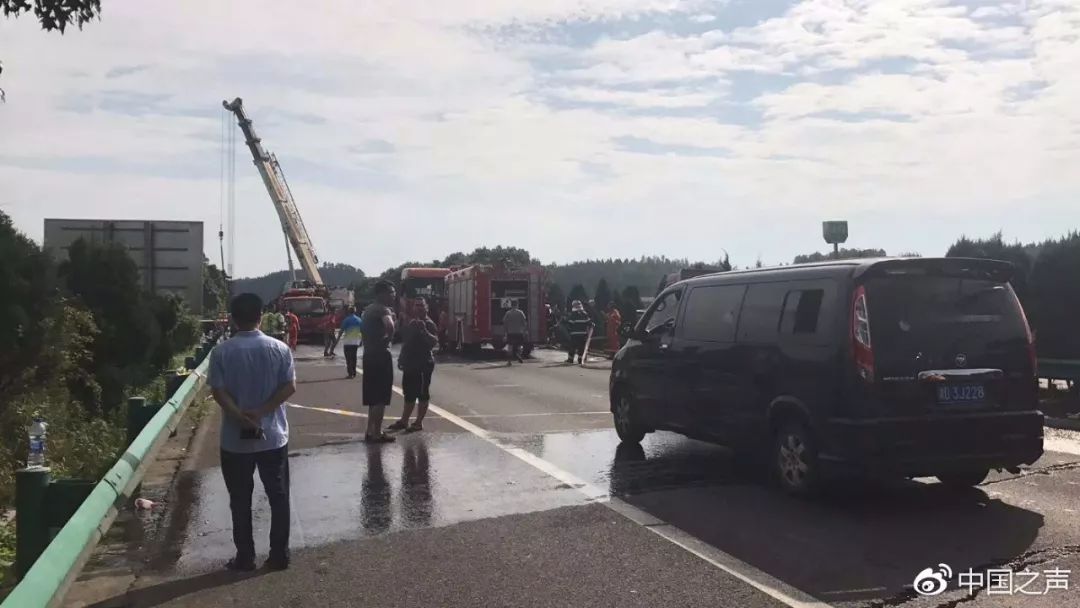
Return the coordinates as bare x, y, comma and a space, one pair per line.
31, 523
173, 381
136, 417
198, 355
45, 580
189, 363
63, 499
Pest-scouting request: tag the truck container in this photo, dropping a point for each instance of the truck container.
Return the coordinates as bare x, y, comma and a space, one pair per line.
478, 296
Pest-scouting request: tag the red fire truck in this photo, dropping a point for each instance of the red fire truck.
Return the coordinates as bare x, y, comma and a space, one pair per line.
319, 309
416, 283
478, 296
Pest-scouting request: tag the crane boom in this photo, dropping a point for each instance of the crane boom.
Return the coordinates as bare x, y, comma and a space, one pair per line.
278, 189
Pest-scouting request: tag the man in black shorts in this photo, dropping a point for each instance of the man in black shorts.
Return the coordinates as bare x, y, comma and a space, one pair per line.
378, 326
417, 364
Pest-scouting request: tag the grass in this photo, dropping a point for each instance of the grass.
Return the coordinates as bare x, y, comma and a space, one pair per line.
77, 446
7, 549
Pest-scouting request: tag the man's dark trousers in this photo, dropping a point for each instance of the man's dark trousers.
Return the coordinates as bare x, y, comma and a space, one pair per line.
350, 359
577, 345
239, 471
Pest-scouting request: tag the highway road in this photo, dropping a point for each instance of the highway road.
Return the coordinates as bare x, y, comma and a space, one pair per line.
517, 493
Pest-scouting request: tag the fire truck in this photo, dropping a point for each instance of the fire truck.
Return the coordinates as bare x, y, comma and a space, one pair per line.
319, 308
416, 283
478, 296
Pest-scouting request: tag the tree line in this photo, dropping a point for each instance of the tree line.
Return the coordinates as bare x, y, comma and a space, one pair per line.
1047, 282
1042, 282
78, 336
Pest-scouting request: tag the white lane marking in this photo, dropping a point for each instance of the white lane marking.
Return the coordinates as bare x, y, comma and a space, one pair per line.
328, 410
1059, 444
536, 414
767, 584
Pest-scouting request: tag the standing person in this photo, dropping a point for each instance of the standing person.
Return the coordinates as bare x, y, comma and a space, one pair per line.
444, 327
614, 321
377, 323
578, 323
350, 336
292, 324
417, 365
268, 324
251, 376
279, 324
328, 327
516, 327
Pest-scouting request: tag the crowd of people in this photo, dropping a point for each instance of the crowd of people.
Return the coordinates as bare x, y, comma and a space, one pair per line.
253, 374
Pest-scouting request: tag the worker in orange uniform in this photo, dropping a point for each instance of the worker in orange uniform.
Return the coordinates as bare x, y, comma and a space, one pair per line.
292, 324
614, 320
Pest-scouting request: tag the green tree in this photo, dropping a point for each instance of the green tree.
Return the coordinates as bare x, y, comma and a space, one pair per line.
844, 254
1054, 298
53, 14
995, 248
577, 292
555, 295
128, 351
215, 290
27, 300
454, 259
602, 295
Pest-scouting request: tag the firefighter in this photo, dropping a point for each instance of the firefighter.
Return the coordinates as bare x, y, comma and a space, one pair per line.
269, 322
614, 320
279, 324
578, 323
292, 324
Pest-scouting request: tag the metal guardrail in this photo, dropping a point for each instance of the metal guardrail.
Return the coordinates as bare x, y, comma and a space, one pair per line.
1060, 369
48, 580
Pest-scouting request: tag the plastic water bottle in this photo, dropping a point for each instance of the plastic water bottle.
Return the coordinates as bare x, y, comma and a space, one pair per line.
36, 457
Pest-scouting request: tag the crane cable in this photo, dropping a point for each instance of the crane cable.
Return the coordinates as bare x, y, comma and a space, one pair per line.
221, 191
231, 161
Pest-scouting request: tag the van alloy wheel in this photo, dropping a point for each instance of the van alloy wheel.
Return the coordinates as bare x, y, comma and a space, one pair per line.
796, 459
626, 427
792, 461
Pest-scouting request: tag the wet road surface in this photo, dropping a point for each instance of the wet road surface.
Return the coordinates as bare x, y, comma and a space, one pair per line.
504, 502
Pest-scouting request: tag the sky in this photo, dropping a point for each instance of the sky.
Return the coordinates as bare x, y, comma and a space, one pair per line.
576, 129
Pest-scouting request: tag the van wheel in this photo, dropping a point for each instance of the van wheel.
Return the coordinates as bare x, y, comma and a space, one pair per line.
627, 426
963, 479
796, 460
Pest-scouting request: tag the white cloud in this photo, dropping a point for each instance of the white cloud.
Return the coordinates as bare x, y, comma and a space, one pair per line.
895, 114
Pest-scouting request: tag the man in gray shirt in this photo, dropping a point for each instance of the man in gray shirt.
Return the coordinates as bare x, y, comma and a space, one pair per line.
377, 323
516, 327
251, 376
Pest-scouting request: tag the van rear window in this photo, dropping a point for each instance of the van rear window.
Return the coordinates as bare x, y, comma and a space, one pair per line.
935, 315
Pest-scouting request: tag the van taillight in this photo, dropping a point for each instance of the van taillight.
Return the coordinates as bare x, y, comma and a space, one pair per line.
860, 335
1033, 357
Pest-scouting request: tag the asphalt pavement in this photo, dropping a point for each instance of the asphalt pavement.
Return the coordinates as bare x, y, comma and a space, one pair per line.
518, 493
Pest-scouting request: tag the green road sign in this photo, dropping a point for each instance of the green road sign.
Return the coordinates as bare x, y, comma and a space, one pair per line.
834, 232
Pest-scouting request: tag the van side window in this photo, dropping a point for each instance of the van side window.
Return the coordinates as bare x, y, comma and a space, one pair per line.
802, 308
664, 310
712, 313
760, 319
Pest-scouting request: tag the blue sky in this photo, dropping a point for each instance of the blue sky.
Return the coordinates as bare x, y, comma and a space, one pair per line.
574, 128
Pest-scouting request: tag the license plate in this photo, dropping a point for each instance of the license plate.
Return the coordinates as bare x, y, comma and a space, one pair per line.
961, 393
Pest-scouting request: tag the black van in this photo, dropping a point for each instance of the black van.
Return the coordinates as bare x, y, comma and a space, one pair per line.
904, 367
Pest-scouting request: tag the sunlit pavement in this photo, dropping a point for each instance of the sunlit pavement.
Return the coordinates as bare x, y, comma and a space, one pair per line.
505, 502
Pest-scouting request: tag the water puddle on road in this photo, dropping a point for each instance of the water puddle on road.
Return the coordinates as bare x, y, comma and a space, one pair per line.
354, 490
